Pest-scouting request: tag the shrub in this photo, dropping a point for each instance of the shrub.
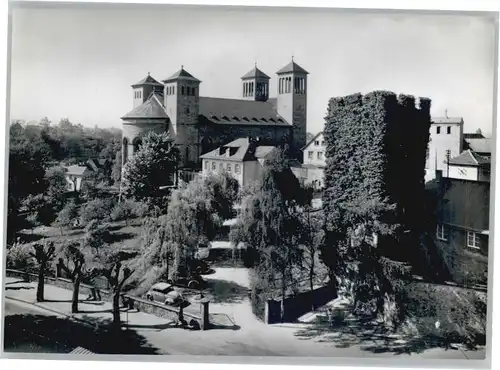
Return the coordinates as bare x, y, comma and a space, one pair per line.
123, 211
19, 258
460, 312
97, 209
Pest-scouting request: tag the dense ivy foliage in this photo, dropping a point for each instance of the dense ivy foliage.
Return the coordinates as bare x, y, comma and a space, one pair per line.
376, 149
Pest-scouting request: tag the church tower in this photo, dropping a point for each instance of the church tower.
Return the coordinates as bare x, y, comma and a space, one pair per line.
182, 102
255, 85
144, 88
292, 102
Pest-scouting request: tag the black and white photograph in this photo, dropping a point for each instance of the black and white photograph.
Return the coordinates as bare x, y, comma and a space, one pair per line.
248, 181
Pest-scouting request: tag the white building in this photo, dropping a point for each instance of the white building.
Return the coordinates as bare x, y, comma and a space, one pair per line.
312, 170
445, 140
242, 158
74, 175
469, 166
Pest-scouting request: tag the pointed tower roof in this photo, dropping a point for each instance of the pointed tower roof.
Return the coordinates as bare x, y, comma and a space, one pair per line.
151, 108
181, 74
292, 67
255, 72
148, 80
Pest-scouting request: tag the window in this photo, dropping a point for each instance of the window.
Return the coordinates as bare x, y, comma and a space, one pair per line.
473, 240
214, 166
448, 130
229, 167
441, 233
182, 90
322, 143
310, 154
320, 155
316, 143
438, 130
221, 167
236, 168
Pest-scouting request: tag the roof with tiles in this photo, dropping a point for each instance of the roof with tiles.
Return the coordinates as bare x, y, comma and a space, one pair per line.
482, 145
255, 72
241, 112
312, 140
181, 74
239, 150
75, 170
292, 67
469, 158
151, 108
148, 80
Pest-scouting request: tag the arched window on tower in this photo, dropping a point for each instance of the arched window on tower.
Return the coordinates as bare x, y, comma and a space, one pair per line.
124, 151
137, 144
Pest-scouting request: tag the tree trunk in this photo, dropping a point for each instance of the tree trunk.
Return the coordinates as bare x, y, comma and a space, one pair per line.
283, 293
76, 291
41, 283
116, 308
60, 228
311, 282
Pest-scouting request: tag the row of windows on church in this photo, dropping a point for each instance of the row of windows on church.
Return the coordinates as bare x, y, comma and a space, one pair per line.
137, 94
285, 85
185, 90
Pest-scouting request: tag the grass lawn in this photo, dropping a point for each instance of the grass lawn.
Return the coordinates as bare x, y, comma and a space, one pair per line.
124, 236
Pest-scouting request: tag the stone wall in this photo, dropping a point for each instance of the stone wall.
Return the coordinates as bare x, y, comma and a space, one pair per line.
298, 305
168, 312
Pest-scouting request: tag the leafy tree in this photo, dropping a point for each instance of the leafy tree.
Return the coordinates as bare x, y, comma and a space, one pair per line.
222, 191
27, 160
56, 189
19, 258
96, 209
150, 168
312, 238
95, 236
67, 216
127, 209
33, 207
43, 253
92, 184
270, 222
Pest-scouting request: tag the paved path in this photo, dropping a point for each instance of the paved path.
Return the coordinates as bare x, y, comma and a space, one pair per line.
250, 337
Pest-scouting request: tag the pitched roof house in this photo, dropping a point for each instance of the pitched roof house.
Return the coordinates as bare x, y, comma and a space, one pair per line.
243, 158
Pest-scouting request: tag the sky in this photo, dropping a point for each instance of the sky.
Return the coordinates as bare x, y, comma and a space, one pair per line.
79, 62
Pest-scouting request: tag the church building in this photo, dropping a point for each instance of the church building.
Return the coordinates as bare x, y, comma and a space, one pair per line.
200, 124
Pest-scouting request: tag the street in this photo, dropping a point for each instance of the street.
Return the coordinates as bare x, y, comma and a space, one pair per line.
34, 329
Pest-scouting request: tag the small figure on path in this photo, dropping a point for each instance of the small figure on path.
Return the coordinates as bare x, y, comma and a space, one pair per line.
329, 312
